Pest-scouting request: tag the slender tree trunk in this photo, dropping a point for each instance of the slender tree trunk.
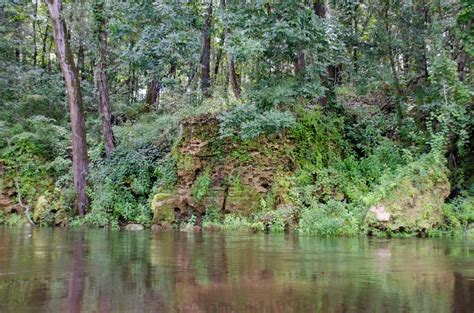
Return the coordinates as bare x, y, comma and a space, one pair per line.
50, 65
319, 7
300, 63
43, 50
80, 160
463, 57
418, 53
18, 55
104, 103
81, 61
355, 44
219, 56
35, 48
390, 52
152, 98
393, 66
206, 55
234, 82
232, 75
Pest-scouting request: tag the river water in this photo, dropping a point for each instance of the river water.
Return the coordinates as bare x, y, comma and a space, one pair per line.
64, 270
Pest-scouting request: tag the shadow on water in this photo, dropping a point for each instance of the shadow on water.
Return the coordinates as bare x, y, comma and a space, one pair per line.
58, 270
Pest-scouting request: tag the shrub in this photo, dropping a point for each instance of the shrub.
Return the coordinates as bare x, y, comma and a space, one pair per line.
121, 185
320, 142
14, 220
212, 219
248, 122
334, 218
237, 222
459, 213
276, 221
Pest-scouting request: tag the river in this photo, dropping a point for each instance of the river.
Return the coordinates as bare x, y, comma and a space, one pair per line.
64, 270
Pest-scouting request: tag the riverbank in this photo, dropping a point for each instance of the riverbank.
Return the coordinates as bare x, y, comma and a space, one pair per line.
299, 174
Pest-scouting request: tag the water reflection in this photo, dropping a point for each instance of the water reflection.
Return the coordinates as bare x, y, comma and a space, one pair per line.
56, 270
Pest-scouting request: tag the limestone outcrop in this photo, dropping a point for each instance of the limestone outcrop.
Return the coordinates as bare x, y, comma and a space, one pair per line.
225, 174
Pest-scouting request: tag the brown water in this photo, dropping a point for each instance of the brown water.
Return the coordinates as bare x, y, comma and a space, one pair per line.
57, 270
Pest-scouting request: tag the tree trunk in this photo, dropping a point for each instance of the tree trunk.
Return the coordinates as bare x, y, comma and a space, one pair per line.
81, 61
219, 56
43, 51
299, 64
152, 98
356, 37
319, 7
390, 53
426, 15
206, 55
463, 57
232, 75
50, 65
104, 103
80, 160
35, 48
18, 55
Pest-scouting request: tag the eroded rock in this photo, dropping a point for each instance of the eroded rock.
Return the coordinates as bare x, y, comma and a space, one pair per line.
240, 174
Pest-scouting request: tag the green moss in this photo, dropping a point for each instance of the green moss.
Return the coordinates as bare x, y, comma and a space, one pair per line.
162, 208
241, 156
41, 208
241, 197
61, 217
185, 161
201, 184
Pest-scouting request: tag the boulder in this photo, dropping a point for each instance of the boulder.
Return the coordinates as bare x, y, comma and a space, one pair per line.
134, 227
163, 207
413, 200
162, 227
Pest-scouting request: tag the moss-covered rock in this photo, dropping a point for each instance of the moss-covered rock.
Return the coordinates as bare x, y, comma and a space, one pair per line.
162, 207
42, 206
229, 175
62, 217
412, 200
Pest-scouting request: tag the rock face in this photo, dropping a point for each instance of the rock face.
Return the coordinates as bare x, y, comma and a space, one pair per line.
7, 194
413, 202
218, 173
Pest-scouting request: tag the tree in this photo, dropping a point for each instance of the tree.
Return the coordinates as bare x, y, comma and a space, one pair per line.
104, 103
35, 47
80, 160
230, 60
206, 54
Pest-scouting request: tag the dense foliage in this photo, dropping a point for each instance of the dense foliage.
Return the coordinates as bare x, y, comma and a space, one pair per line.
376, 94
